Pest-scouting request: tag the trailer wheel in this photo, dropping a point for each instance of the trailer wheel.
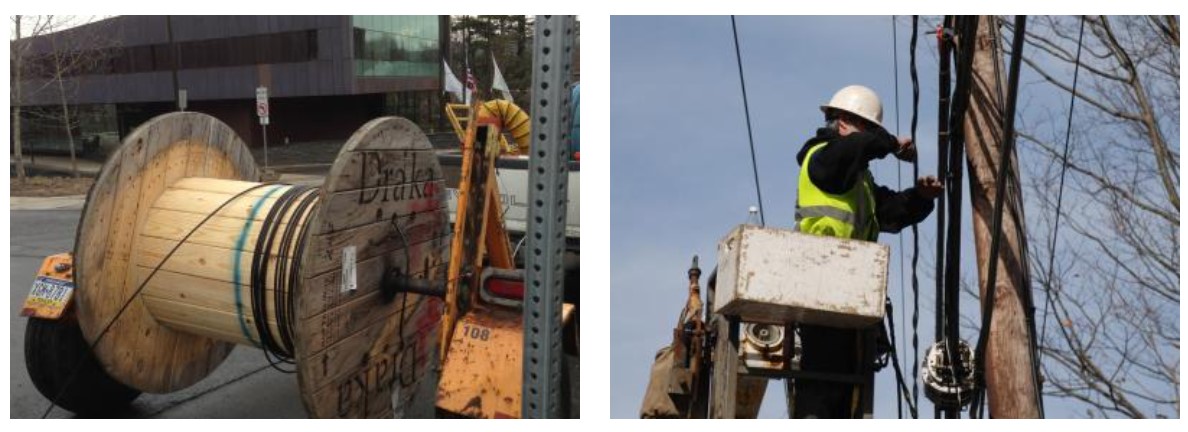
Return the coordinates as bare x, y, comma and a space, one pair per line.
53, 349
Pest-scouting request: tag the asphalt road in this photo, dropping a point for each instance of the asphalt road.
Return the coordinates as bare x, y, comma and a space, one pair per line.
244, 386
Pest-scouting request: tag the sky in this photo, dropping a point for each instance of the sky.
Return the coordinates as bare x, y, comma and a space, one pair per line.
681, 172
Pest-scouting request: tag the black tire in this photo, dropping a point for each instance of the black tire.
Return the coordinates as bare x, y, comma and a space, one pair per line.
53, 349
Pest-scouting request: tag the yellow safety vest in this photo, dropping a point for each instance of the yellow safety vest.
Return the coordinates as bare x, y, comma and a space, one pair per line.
847, 215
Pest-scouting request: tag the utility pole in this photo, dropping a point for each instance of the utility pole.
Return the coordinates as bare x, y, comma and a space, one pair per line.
1012, 390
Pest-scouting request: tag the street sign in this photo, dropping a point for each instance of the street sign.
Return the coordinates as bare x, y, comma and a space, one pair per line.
181, 100
262, 112
262, 104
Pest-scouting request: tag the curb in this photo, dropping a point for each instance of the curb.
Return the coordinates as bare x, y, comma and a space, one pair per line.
70, 202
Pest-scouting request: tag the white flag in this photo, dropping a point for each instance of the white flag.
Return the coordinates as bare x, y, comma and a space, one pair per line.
498, 83
452, 85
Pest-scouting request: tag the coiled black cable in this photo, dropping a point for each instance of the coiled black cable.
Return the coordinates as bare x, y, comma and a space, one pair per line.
294, 202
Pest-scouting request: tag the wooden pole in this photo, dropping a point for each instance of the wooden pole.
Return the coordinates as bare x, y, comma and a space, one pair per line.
1011, 387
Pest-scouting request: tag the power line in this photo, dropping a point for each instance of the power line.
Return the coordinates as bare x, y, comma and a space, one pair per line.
1000, 194
898, 186
747, 111
1060, 189
915, 229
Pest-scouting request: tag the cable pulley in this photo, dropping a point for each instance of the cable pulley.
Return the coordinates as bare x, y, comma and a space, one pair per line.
943, 385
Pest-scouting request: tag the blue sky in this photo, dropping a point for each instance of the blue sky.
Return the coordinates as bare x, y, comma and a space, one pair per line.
681, 170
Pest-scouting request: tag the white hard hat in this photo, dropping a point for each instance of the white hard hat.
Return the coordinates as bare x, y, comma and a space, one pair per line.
858, 100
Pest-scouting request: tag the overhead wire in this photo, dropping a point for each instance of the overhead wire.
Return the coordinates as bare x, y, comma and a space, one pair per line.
898, 186
915, 230
996, 230
942, 170
903, 389
747, 112
1060, 189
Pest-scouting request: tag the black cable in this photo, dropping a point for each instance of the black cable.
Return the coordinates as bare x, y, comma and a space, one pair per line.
1024, 286
287, 306
942, 170
747, 112
278, 349
136, 293
403, 299
1060, 190
965, 29
915, 230
259, 274
903, 390
1056, 224
1004, 162
898, 186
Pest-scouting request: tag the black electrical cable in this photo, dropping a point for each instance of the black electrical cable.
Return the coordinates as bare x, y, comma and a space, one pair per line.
136, 293
288, 305
259, 274
996, 230
403, 301
1024, 286
747, 112
915, 230
965, 30
278, 348
1060, 189
899, 186
903, 390
942, 170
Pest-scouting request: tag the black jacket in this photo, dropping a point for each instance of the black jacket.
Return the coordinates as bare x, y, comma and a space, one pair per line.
839, 165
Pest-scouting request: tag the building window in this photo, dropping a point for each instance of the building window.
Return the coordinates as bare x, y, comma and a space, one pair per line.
287, 47
392, 46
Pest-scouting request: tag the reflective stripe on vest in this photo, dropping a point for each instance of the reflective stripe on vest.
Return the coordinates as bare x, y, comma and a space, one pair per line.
846, 215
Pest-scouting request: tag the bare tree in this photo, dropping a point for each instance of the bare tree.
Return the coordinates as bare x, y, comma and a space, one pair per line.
1109, 321
69, 47
24, 27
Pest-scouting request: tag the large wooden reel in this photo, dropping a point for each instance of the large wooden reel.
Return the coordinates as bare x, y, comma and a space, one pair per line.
381, 208
385, 198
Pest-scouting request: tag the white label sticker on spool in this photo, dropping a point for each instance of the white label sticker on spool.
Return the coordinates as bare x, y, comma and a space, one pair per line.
349, 282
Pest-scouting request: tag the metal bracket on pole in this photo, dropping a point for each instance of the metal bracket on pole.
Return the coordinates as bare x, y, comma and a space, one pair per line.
548, 186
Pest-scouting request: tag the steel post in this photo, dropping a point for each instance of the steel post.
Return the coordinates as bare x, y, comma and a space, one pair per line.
547, 178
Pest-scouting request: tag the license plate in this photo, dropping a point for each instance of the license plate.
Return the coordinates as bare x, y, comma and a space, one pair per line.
48, 298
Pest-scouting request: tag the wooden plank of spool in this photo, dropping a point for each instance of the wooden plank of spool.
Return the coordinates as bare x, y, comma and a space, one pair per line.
354, 350
137, 350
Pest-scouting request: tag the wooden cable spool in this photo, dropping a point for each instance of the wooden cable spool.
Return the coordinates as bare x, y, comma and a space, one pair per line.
381, 208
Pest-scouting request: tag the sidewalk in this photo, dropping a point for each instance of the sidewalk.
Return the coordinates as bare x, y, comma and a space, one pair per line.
75, 202
59, 165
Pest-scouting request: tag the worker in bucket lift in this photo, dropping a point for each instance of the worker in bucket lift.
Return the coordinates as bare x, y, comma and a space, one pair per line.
837, 197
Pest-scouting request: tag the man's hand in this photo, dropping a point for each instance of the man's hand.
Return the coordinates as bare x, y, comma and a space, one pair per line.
906, 151
929, 187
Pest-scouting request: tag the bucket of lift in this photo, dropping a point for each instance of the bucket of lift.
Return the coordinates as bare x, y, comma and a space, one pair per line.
773, 275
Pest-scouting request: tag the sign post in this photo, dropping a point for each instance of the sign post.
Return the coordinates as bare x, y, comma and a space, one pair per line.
262, 112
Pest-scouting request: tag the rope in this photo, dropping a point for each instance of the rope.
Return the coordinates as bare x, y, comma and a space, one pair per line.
135, 294
747, 112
